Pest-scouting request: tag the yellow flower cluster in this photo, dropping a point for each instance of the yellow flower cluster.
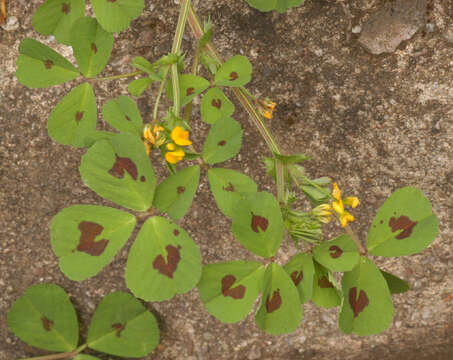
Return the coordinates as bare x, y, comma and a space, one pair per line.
153, 137
266, 107
180, 138
324, 212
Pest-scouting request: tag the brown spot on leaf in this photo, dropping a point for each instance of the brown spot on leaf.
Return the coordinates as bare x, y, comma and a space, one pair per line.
180, 189
274, 302
221, 143
190, 91
173, 258
402, 223
112, 1
358, 304
94, 48
142, 178
237, 292
47, 324
65, 8
335, 252
48, 64
297, 277
233, 75
128, 118
176, 232
381, 222
216, 103
79, 116
122, 164
230, 187
324, 283
119, 328
88, 232
259, 222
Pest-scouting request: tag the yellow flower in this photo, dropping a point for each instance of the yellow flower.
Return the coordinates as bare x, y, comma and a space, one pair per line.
266, 107
338, 205
180, 136
323, 212
175, 154
152, 137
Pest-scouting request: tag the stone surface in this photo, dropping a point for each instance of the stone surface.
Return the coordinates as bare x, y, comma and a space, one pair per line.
395, 22
372, 123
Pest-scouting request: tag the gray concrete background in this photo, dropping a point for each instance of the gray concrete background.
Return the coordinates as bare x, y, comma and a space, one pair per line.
373, 123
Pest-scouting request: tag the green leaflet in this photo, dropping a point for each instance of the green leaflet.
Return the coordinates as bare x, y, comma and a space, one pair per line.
395, 284
301, 270
116, 15
229, 290
269, 5
123, 114
85, 238
120, 171
163, 261
92, 46
229, 187
73, 120
339, 254
404, 225
223, 141
122, 326
189, 87
38, 66
44, 317
138, 86
57, 17
174, 195
215, 105
325, 293
280, 311
258, 224
85, 357
236, 71
367, 306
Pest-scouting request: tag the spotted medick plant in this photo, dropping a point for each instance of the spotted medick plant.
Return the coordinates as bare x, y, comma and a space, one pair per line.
163, 260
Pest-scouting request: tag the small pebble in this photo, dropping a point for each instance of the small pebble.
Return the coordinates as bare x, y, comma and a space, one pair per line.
356, 29
11, 24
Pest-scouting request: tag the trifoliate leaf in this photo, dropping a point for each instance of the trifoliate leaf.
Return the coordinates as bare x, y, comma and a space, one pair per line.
325, 293
339, 254
138, 86
367, 305
45, 318
73, 120
395, 284
404, 225
163, 261
115, 15
258, 225
215, 105
38, 66
229, 290
123, 114
56, 17
85, 238
122, 326
120, 171
236, 71
223, 141
189, 87
280, 311
301, 270
174, 195
92, 46
228, 187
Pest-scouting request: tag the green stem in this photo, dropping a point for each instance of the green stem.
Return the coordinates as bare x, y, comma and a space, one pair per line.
243, 96
161, 89
66, 355
182, 19
356, 239
121, 76
188, 108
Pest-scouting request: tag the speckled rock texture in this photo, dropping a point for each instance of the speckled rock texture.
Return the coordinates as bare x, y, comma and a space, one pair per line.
373, 123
